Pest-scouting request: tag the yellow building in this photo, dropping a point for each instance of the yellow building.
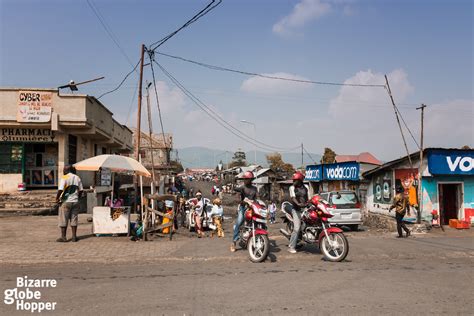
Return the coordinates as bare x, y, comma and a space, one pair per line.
41, 131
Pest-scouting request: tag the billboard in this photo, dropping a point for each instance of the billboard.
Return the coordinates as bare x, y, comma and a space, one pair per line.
341, 171
451, 162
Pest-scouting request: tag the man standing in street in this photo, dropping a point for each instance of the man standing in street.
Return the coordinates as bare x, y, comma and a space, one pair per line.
248, 191
400, 204
299, 198
69, 191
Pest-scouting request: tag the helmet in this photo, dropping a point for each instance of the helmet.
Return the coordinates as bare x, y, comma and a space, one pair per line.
315, 200
298, 176
248, 175
217, 201
169, 204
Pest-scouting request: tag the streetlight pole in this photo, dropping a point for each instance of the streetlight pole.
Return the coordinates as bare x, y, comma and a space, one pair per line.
254, 135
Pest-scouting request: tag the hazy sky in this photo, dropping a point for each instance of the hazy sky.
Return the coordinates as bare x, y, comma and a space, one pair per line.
425, 48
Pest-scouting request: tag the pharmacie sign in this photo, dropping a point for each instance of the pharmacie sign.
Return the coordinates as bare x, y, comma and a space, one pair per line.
447, 162
37, 135
34, 106
337, 171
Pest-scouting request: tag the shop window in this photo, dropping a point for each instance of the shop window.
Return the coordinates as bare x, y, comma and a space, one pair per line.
11, 156
72, 149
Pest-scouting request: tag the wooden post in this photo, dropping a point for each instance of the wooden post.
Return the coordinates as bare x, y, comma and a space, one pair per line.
137, 137
420, 170
139, 114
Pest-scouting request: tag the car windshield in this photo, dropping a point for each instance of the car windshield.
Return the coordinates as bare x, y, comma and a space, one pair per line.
344, 199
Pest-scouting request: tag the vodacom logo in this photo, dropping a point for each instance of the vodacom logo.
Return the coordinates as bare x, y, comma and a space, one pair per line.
342, 172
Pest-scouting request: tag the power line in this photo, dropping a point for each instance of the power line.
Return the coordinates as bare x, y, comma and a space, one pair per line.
121, 83
216, 117
151, 56
131, 104
108, 30
196, 17
247, 73
309, 155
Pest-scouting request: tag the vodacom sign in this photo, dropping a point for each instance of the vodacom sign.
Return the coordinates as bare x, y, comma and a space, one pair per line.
445, 161
345, 171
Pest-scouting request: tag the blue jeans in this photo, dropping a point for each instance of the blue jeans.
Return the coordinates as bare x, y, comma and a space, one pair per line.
238, 222
296, 228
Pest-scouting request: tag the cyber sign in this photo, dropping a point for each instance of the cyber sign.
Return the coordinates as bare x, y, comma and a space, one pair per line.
460, 162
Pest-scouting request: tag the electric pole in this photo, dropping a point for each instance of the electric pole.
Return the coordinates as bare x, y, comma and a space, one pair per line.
139, 114
420, 170
302, 163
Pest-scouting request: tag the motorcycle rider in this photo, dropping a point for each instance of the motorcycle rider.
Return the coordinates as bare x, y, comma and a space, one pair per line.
299, 195
248, 191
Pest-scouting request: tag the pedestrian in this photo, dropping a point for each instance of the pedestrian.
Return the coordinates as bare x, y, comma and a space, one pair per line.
198, 212
272, 208
217, 213
247, 191
400, 204
69, 190
299, 199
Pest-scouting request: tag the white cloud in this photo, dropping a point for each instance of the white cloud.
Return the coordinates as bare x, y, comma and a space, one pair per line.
303, 13
272, 86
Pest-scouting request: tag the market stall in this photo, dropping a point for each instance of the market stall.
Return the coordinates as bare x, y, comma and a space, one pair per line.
114, 218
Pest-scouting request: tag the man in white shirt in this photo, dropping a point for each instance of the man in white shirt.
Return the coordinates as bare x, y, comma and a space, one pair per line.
69, 190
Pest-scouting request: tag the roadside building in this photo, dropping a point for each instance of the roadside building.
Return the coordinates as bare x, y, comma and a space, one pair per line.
266, 181
345, 174
41, 131
447, 183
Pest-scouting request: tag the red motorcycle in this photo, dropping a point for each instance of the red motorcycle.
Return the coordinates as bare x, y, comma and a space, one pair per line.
253, 232
315, 228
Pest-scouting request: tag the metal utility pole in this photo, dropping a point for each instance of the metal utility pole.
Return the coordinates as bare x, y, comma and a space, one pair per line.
420, 170
139, 114
398, 120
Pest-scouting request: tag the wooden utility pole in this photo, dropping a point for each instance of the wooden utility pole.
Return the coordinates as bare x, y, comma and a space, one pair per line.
139, 114
398, 120
302, 163
420, 170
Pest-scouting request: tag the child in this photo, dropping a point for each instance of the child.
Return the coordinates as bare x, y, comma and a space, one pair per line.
272, 208
217, 214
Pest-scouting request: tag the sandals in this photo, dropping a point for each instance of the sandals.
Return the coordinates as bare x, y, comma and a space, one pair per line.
61, 239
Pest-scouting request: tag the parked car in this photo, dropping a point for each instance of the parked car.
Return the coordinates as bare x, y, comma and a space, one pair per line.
345, 207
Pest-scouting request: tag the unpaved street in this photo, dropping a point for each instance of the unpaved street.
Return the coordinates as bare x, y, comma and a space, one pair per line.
427, 274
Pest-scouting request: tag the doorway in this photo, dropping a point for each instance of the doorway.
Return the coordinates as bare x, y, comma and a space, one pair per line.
450, 201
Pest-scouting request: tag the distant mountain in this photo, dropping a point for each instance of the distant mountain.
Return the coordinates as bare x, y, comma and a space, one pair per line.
195, 157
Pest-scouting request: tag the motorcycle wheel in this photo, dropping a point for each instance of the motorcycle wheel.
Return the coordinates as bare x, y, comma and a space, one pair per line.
262, 247
338, 251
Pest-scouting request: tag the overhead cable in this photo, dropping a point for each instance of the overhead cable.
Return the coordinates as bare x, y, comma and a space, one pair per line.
216, 117
212, 5
121, 83
247, 73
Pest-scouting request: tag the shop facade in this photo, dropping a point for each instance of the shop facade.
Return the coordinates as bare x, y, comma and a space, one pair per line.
42, 131
447, 184
338, 177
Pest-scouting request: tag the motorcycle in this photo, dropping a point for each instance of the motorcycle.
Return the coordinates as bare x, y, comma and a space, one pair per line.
315, 228
205, 220
253, 231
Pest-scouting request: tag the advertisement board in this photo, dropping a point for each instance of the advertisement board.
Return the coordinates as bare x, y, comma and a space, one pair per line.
34, 106
451, 162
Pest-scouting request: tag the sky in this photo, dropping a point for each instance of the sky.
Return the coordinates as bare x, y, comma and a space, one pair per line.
424, 47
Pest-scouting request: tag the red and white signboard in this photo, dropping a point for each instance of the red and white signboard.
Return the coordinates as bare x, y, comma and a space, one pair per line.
34, 106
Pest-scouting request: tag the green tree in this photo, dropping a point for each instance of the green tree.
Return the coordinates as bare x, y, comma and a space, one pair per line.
329, 156
278, 165
238, 160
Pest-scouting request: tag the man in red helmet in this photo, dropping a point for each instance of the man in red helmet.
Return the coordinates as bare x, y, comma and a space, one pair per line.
248, 191
299, 195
